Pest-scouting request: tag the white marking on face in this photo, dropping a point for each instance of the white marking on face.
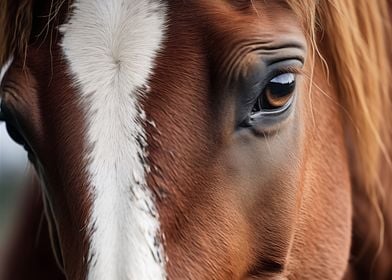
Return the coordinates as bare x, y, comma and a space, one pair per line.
110, 46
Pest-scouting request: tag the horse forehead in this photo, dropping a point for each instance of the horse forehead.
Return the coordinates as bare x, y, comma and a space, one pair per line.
115, 37
110, 47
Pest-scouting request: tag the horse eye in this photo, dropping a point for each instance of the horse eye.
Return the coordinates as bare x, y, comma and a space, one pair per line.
277, 95
5, 116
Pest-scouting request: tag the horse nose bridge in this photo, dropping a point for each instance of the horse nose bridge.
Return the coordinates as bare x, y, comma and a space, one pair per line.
111, 61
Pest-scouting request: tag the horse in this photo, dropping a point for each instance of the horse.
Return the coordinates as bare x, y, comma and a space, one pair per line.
225, 139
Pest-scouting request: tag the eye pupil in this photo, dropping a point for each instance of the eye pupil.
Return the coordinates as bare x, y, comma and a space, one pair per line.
276, 94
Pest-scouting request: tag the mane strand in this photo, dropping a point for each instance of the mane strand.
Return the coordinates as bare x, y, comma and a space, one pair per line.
16, 17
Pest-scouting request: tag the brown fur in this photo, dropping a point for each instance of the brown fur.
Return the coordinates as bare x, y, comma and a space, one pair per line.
29, 85
31, 248
208, 219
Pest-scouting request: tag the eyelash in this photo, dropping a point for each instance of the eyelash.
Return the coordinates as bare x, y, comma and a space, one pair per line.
286, 70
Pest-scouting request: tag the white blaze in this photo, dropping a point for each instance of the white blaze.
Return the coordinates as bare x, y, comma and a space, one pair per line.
110, 46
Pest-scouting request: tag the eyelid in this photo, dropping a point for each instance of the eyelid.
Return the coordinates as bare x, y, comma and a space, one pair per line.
285, 69
277, 60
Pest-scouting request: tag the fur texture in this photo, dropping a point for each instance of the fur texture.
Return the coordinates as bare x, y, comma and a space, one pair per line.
110, 47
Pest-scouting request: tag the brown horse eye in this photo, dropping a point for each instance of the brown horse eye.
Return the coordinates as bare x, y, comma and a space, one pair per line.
277, 94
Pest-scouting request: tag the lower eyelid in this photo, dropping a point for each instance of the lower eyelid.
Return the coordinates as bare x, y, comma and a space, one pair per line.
277, 111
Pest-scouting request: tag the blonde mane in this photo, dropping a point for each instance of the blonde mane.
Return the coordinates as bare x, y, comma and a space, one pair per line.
352, 36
